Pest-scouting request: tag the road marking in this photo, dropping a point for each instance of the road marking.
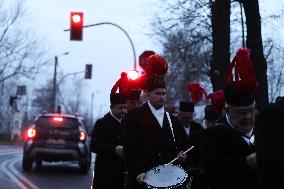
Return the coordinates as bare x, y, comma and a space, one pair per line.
20, 176
7, 152
16, 177
10, 175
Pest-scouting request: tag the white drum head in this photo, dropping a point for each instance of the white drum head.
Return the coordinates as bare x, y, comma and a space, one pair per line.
166, 176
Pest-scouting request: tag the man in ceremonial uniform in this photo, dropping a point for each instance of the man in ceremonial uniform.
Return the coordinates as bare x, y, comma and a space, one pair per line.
269, 140
228, 157
134, 100
210, 117
107, 143
191, 136
150, 134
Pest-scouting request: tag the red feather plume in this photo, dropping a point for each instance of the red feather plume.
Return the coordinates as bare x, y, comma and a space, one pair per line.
144, 57
156, 66
197, 92
217, 99
244, 77
123, 85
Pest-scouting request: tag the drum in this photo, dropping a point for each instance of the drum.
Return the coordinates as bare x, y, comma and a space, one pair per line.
166, 177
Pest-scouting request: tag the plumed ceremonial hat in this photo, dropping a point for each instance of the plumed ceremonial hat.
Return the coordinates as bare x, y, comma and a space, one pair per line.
240, 89
117, 98
155, 82
186, 106
197, 92
217, 99
135, 95
209, 113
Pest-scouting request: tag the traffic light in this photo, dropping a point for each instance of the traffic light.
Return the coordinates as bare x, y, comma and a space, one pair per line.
133, 78
132, 74
76, 26
13, 101
88, 71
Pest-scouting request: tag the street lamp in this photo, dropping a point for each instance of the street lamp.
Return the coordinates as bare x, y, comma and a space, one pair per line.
54, 80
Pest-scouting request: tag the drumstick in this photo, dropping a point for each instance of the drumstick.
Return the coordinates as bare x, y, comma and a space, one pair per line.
177, 157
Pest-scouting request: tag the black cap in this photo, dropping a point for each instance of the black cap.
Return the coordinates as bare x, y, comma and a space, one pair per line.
155, 82
135, 94
238, 97
209, 113
117, 98
186, 106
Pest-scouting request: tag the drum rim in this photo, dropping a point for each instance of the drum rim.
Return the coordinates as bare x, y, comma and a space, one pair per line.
168, 187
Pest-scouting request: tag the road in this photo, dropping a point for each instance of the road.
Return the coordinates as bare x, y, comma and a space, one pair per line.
60, 175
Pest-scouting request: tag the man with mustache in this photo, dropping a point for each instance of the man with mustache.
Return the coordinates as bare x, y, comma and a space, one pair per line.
228, 157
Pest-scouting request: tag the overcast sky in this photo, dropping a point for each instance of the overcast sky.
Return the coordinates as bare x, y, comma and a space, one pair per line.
106, 47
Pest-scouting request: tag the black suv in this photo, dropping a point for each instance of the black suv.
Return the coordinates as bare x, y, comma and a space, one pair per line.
57, 137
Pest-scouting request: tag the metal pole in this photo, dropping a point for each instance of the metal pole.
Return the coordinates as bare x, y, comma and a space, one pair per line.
123, 30
54, 84
242, 22
92, 107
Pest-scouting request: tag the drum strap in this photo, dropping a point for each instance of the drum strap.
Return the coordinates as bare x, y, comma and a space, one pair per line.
171, 126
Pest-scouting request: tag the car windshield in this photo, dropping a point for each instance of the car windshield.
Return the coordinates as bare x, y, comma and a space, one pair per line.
61, 122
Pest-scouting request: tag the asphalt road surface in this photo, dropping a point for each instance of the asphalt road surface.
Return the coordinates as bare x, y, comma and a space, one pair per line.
59, 175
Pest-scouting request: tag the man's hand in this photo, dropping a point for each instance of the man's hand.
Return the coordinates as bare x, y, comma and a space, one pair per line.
141, 178
119, 151
251, 161
181, 157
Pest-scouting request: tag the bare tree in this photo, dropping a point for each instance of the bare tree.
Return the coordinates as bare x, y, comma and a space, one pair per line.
70, 104
273, 53
254, 42
20, 53
186, 40
42, 100
7, 89
222, 33
221, 42
185, 53
74, 103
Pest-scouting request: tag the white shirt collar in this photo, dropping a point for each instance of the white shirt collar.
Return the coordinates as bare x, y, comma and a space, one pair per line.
187, 130
204, 124
158, 113
246, 137
119, 120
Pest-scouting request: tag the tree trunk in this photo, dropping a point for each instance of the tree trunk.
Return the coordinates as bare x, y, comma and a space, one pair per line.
221, 42
254, 42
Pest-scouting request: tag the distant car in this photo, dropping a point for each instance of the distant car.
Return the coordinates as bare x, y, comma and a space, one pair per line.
57, 137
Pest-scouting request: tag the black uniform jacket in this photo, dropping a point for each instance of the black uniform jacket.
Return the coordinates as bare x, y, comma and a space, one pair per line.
147, 144
193, 139
269, 144
109, 167
223, 154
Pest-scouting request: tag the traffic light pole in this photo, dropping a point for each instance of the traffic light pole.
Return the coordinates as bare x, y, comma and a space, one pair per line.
54, 91
74, 73
54, 84
119, 27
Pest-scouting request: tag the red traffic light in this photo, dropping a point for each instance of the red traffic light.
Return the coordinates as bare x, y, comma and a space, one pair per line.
133, 74
76, 18
76, 26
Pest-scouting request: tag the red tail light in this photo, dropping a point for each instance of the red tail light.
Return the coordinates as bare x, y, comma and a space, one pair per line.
82, 135
31, 133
